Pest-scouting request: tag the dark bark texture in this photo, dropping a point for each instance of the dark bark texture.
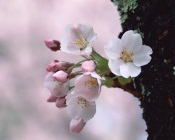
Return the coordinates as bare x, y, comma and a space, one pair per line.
156, 20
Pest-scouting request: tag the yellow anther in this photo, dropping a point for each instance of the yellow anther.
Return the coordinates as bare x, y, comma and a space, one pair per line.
126, 55
81, 42
58, 83
91, 83
82, 102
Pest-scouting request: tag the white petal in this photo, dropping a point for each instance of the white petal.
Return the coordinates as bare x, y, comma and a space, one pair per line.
64, 89
69, 47
49, 81
74, 111
85, 30
113, 48
131, 41
88, 32
92, 37
49, 84
129, 69
115, 66
70, 98
141, 60
89, 112
142, 56
143, 50
72, 30
87, 51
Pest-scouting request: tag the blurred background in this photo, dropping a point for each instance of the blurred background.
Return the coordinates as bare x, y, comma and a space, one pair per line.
24, 25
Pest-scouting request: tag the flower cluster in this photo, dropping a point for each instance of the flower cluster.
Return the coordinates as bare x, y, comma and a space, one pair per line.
126, 56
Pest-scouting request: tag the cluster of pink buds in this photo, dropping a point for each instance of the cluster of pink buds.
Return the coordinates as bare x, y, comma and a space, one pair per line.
92, 72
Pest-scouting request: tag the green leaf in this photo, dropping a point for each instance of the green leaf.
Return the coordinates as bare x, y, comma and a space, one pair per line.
108, 82
124, 17
124, 81
101, 64
125, 6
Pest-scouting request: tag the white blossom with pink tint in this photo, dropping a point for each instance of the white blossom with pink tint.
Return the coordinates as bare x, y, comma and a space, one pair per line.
78, 39
79, 107
127, 54
56, 88
76, 125
88, 66
88, 86
61, 76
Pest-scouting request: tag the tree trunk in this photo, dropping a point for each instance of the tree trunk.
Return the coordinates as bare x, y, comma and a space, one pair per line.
156, 20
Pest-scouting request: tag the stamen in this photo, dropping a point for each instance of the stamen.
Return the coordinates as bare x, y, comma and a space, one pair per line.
91, 83
126, 55
82, 102
58, 83
82, 43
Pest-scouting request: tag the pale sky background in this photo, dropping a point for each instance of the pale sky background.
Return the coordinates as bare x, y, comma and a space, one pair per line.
24, 112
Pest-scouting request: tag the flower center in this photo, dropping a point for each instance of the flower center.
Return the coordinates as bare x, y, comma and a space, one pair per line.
81, 42
81, 101
58, 84
91, 83
126, 55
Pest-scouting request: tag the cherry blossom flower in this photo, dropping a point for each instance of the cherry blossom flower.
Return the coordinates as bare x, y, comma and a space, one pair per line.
88, 86
88, 66
127, 54
79, 107
76, 125
78, 39
56, 88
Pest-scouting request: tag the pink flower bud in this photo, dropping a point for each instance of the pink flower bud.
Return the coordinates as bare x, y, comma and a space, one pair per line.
60, 102
76, 125
61, 76
88, 66
55, 66
52, 98
54, 45
66, 64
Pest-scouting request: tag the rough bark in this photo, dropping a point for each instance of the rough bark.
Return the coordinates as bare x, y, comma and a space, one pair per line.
156, 20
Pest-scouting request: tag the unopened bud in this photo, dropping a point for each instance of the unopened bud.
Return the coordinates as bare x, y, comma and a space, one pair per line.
88, 66
54, 45
55, 66
76, 125
60, 102
61, 76
52, 98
